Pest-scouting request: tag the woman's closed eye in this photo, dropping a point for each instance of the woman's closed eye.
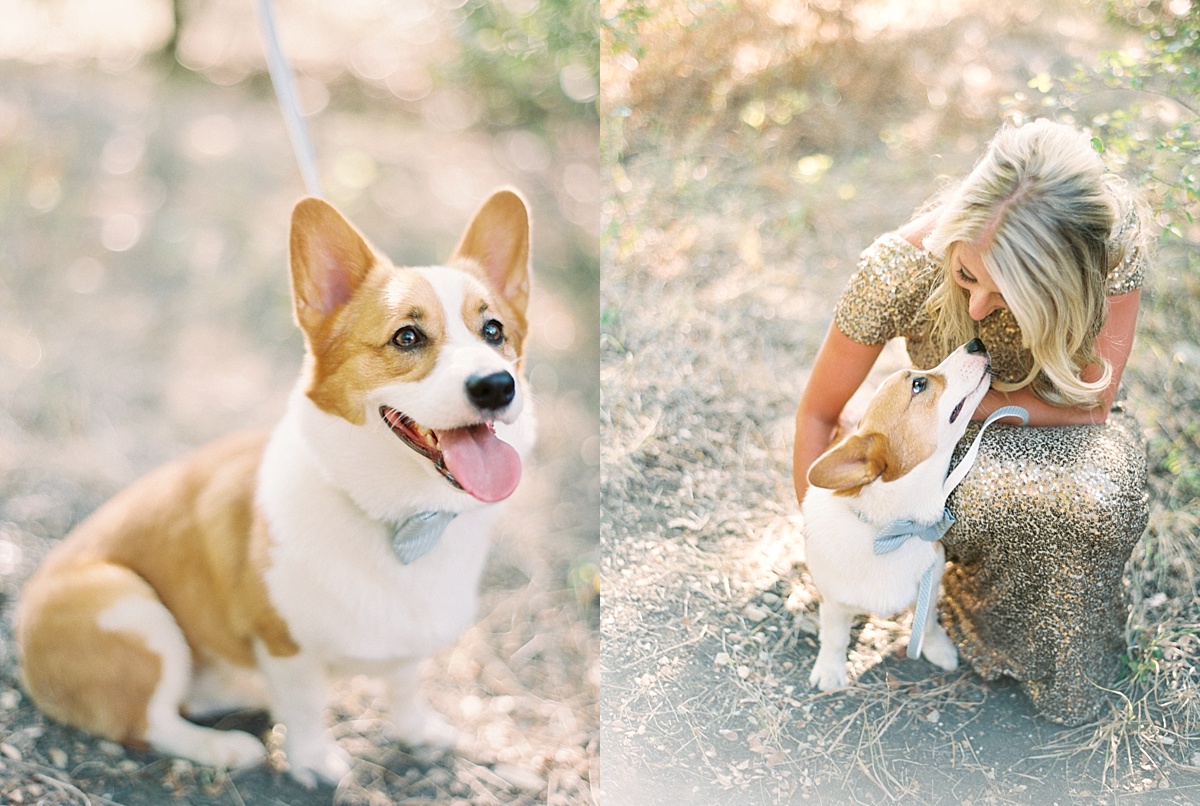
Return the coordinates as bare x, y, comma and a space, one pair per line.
963, 273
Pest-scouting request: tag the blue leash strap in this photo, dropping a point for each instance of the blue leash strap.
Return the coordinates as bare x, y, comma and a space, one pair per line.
926, 599
285, 90
896, 533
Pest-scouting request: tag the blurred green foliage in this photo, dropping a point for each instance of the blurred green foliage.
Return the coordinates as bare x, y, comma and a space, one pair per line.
531, 60
621, 27
1143, 104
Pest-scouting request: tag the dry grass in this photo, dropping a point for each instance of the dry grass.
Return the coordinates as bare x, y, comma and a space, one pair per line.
731, 229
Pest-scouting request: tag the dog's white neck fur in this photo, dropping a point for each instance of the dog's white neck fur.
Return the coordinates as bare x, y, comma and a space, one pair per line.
325, 537
368, 464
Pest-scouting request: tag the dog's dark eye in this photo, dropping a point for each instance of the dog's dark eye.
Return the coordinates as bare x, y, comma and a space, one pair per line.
406, 338
918, 384
493, 332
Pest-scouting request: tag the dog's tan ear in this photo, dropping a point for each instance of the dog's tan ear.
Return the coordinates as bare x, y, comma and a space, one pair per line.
497, 241
329, 259
853, 463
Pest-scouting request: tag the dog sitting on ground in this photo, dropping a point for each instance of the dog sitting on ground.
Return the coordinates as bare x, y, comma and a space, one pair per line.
890, 469
350, 540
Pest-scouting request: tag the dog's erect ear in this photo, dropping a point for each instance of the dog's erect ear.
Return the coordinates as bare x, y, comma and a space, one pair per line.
329, 259
497, 240
853, 463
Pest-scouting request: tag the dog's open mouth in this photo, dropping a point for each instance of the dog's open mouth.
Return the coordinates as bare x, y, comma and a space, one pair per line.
472, 458
986, 380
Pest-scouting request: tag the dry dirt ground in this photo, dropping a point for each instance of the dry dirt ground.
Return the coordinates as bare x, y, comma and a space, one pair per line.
753, 153
144, 310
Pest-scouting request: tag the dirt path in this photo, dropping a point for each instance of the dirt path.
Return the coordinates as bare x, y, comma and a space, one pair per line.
752, 158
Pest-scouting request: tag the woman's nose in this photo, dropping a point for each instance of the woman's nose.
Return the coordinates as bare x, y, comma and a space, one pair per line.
980, 305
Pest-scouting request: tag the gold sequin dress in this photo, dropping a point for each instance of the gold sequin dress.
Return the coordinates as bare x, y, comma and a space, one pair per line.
1047, 517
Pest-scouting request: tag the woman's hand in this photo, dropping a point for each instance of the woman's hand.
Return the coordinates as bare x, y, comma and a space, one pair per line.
1113, 343
915, 231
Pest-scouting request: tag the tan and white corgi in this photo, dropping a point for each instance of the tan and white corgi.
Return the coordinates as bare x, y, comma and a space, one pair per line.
350, 540
891, 468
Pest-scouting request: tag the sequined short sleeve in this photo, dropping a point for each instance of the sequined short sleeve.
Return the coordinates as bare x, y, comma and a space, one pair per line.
1129, 239
885, 296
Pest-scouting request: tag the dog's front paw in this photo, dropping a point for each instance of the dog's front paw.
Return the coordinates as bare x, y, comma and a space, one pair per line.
828, 675
321, 763
419, 725
940, 650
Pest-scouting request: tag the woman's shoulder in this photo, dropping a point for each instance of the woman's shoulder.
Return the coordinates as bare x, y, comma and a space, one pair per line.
887, 291
920, 226
1129, 247
895, 257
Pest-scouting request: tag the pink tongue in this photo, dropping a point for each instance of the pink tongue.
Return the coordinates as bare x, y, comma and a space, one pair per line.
484, 465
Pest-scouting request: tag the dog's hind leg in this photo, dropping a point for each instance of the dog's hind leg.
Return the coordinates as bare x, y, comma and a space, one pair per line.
167, 731
830, 669
219, 688
101, 652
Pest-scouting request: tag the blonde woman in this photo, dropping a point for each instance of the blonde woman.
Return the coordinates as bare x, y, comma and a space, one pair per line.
1041, 254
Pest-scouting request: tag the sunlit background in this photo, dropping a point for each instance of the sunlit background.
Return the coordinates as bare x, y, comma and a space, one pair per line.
146, 182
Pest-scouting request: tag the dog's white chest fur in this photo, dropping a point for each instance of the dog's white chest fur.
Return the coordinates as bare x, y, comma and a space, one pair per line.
840, 552
333, 576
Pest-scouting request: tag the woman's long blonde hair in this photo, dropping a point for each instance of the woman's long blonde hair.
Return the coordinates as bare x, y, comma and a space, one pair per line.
1040, 209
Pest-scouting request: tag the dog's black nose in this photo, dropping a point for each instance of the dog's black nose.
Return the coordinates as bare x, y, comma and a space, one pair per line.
491, 392
976, 346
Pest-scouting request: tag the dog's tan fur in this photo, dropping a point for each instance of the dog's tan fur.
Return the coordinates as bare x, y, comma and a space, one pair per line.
209, 551
892, 438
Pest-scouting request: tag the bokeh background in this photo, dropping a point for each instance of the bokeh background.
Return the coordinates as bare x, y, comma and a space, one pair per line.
146, 182
752, 151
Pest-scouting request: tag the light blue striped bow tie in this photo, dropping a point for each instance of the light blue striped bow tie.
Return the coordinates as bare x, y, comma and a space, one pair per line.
897, 532
413, 538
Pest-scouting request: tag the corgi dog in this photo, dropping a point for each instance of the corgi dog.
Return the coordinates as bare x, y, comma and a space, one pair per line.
890, 468
349, 540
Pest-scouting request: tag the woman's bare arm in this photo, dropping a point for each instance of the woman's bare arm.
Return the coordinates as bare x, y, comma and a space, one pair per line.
841, 366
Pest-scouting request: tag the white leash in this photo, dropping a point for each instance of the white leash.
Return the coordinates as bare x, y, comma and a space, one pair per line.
285, 90
416, 536
960, 472
898, 532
